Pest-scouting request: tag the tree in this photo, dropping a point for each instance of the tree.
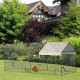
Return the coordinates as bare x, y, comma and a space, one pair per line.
32, 30
13, 15
70, 26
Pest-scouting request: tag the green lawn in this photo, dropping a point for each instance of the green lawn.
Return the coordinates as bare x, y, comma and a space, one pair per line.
7, 75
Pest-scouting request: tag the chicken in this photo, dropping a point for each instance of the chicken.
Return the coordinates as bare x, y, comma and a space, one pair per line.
36, 69
26, 69
56, 71
65, 70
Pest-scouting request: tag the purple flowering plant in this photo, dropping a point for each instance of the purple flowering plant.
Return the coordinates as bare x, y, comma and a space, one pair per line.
3, 49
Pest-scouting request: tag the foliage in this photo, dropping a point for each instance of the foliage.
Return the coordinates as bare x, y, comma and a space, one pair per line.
20, 51
13, 56
3, 51
51, 39
1, 56
13, 15
20, 58
75, 42
18, 48
52, 29
43, 19
78, 60
70, 26
31, 31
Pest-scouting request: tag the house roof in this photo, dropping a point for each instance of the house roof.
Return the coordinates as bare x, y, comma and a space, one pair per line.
57, 48
35, 5
53, 10
31, 5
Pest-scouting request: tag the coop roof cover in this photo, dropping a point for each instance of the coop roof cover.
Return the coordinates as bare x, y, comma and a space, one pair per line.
57, 48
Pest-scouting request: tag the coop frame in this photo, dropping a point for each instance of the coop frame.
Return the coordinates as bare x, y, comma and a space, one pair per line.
6, 67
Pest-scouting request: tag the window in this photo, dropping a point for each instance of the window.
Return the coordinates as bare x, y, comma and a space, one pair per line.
39, 16
36, 16
42, 16
33, 16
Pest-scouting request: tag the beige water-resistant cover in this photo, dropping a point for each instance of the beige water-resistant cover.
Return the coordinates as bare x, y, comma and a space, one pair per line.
57, 48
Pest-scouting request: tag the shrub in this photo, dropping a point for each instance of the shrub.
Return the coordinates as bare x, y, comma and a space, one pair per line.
31, 31
21, 58
1, 56
51, 39
20, 51
78, 60
75, 42
16, 47
3, 51
13, 56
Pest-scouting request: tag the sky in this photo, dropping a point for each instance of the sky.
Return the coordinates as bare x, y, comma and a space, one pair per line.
46, 2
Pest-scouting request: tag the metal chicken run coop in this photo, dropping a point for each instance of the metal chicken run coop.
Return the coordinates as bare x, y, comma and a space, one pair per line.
58, 58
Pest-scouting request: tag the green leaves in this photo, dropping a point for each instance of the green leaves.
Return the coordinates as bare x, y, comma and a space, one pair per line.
70, 25
1, 34
11, 32
13, 16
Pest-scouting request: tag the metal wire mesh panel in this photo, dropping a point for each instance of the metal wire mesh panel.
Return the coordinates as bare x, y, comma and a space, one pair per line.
21, 55
24, 57
69, 64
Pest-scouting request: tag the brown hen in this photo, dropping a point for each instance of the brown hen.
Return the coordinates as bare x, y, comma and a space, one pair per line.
36, 69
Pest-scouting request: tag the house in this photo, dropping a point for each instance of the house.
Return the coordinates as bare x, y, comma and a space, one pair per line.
40, 10
49, 13
64, 4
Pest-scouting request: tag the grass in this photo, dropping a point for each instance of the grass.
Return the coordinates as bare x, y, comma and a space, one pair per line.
7, 75
19, 66
43, 67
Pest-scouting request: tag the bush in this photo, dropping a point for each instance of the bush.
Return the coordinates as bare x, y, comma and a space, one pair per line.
3, 51
75, 42
51, 39
78, 60
20, 51
31, 31
13, 56
21, 58
16, 47
1, 56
